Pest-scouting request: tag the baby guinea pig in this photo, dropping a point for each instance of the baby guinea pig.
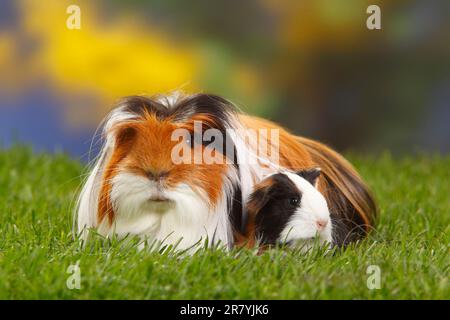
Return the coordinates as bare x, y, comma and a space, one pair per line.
286, 208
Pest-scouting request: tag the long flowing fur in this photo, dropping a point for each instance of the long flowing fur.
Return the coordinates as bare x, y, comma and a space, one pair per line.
137, 137
213, 210
352, 206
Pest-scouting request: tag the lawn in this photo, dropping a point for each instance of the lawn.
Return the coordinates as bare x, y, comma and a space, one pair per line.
410, 245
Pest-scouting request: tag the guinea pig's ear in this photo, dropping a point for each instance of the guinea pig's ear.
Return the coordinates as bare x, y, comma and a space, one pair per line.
124, 134
260, 196
310, 175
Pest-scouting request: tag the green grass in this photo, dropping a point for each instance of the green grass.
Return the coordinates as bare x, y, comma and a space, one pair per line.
36, 247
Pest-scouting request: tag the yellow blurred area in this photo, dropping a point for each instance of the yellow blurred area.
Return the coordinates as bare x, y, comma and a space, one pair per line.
111, 61
6, 51
9, 62
321, 24
110, 58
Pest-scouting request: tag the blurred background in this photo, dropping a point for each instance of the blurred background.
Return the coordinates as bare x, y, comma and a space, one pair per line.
312, 66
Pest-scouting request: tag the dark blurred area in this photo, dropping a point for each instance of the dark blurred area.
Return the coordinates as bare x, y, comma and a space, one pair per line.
312, 66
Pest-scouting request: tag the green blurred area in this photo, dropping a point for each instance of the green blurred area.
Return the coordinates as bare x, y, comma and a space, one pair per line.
313, 66
409, 245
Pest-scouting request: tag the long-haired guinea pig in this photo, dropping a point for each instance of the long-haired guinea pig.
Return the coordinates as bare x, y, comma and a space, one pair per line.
286, 208
135, 186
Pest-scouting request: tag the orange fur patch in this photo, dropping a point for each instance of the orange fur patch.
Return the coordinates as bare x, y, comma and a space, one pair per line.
292, 154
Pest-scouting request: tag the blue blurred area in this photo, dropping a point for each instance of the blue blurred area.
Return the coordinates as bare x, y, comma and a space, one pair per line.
37, 119
434, 133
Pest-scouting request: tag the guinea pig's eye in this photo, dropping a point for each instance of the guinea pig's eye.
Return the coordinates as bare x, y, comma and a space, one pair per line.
294, 201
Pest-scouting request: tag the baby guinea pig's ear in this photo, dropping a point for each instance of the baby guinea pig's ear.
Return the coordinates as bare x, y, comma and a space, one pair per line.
260, 196
310, 175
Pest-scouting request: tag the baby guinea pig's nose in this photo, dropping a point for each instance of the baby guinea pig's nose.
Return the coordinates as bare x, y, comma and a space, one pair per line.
157, 175
321, 224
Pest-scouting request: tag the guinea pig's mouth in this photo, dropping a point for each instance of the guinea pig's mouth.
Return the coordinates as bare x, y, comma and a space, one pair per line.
159, 204
159, 199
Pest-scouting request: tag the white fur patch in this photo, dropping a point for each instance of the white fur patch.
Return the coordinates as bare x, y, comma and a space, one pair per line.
185, 219
313, 207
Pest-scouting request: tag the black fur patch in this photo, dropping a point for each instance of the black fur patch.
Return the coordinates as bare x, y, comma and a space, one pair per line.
310, 175
276, 207
213, 106
235, 209
138, 105
348, 226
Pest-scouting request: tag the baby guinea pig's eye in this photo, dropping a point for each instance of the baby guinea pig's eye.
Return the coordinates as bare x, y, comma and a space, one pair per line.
294, 201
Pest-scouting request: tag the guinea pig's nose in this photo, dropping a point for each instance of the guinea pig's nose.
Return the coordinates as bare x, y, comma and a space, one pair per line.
157, 175
321, 224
